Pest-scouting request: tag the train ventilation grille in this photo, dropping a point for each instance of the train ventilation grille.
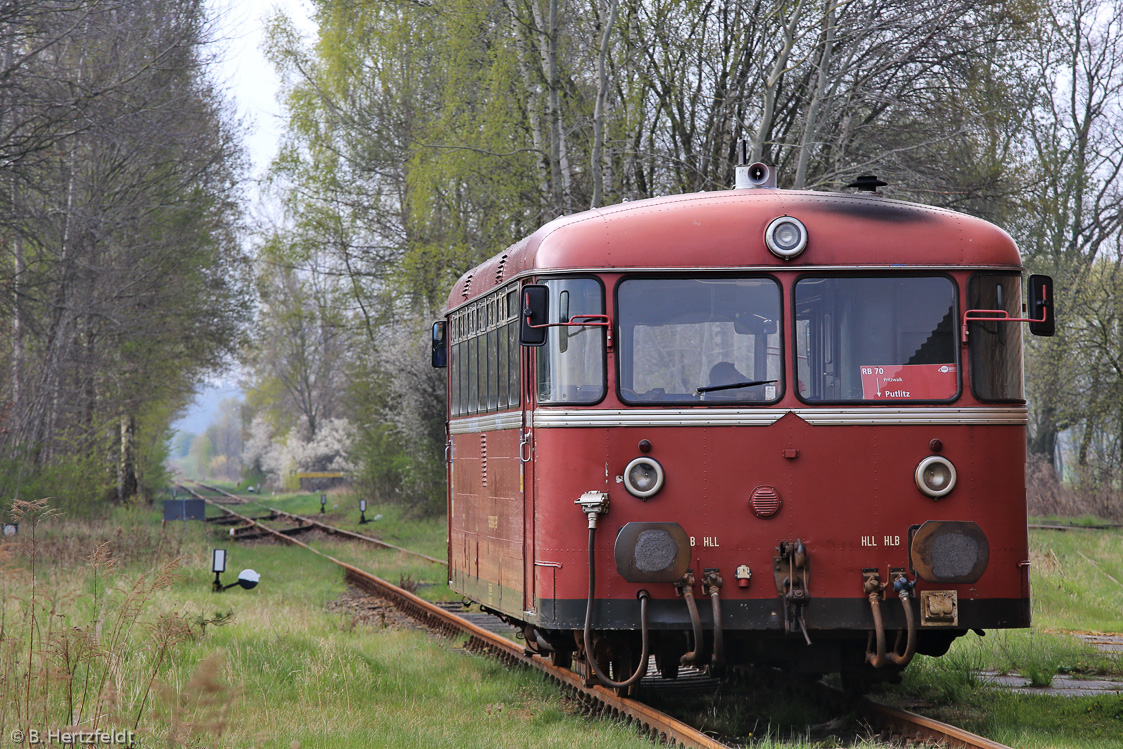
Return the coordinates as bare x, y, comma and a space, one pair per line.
500, 270
765, 501
483, 458
467, 287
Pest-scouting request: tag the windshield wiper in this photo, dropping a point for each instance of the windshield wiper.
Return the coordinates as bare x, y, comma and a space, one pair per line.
711, 388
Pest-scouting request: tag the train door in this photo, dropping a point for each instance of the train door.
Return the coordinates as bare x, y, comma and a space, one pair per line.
527, 379
564, 367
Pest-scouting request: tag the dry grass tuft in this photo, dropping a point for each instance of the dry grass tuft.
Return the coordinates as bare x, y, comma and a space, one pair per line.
202, 708
81, 646
1090, 492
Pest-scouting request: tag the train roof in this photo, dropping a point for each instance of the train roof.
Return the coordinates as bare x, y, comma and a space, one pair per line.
721, 230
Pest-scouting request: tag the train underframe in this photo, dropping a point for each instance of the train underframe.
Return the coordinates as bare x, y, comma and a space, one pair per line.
862, 655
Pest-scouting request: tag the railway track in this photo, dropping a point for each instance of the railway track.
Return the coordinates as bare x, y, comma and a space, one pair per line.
331, 529
898, 726
352, 535
231, 499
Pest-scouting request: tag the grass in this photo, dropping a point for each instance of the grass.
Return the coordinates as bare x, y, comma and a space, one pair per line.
285, 664
1077, 580
425, 535
396, 524
275, 667
1027, 721
1073, 591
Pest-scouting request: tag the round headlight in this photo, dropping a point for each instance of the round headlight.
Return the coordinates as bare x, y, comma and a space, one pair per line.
786, 237
643, 477
935, 476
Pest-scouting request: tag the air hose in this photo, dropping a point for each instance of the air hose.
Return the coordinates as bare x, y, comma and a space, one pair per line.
878, 657
590, 658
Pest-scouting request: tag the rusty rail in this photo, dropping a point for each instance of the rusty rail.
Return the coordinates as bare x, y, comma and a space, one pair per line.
322, 526
660, 726
356, 536
920, 728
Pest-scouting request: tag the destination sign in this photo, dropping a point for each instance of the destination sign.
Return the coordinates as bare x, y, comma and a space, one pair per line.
891, 382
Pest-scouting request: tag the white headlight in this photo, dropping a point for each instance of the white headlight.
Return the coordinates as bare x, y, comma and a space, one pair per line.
786, 237
643, 477
935, 476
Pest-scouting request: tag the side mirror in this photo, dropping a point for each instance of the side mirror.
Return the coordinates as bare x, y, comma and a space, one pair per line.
1041, 310
534, 317
440, 349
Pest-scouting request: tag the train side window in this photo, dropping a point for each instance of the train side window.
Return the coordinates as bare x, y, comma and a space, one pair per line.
499, 346
474, 374
492, 369
512, 339
513, 380
571, 368
483, 359
877, 339
995, 348
454, 380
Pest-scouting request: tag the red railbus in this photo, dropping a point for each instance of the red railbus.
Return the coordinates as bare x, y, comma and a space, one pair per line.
754, 426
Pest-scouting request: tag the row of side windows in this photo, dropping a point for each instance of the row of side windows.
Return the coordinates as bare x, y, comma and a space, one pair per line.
484, 349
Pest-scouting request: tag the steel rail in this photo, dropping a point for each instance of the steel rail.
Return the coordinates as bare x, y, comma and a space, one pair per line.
356, 536
325, 527
660, 726
920, 728
234, 497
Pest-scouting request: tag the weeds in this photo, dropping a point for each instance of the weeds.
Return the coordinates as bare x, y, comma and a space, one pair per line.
951, 679
1089, 491
203, 707
81, 648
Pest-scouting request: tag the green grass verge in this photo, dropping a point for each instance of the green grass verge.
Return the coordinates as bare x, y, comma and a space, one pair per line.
271, 667
1074, 576
1073, 591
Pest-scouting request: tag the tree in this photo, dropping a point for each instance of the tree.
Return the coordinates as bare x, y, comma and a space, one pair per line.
121, 260
424, 138
1072, 216
300, 351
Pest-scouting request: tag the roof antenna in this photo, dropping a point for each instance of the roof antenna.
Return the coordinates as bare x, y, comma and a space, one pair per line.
868, 183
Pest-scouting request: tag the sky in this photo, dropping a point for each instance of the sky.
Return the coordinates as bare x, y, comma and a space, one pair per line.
253, 86
248, 75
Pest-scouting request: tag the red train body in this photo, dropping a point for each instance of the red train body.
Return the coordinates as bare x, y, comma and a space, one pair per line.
815, 428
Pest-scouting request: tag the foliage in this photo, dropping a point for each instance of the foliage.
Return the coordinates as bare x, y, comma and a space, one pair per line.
296, 660
279, 455
425, 137
1069, 225
119, 257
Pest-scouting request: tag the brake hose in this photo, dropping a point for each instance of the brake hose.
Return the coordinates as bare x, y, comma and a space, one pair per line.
590, 659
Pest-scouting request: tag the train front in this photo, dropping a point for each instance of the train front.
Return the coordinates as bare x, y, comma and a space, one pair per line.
796, 437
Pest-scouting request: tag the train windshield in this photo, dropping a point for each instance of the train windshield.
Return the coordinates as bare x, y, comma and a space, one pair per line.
694, 340
995, 348
883, 339
571, 363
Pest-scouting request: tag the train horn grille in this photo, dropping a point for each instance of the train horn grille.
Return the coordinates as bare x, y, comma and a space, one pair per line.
765, 501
